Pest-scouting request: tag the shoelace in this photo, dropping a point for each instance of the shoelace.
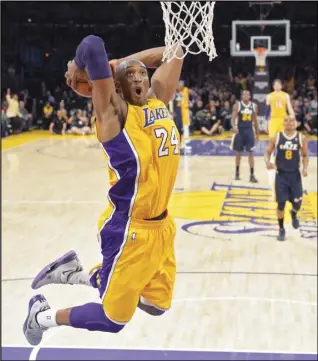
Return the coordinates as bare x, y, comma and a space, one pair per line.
42, 309
77, 269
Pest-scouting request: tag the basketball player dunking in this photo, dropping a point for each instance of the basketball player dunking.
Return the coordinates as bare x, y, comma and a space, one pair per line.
244, 117
288, 184
136, 232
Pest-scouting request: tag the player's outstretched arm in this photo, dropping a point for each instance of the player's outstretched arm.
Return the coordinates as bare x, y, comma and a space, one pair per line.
108, 106
165, 79
255, 121
267, 107
234, 117
270, 149
290, 109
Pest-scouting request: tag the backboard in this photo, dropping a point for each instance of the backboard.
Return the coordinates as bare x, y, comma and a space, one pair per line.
273, 35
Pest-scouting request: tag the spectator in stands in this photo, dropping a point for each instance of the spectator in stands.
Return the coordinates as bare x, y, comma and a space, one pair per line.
226, 116
312, 114
311, 82
50, 98
13, 113
196, 108
59, 123
233, 99
63, 109
308, 123
209, 122
89, 109
48, 115
5, 126
299, 114
89, 113
26, 117
314, 101
79, 123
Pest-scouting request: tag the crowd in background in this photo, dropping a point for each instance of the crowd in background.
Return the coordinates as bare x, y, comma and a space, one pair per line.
212, 108
62, 111
39, 42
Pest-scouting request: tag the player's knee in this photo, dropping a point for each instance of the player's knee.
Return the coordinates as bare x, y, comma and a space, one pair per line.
153, 311
92, 316
111, 326
281, 206
150, 309
296, 204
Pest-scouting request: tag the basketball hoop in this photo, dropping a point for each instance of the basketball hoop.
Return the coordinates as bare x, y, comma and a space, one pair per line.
188, 23
260, 56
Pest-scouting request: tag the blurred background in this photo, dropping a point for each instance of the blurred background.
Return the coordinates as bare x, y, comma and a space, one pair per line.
38, 38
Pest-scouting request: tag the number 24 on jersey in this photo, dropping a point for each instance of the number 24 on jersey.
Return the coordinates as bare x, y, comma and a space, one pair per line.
167, 138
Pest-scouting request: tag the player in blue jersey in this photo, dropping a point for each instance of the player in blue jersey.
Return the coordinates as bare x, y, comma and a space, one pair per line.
244, 121
289, 146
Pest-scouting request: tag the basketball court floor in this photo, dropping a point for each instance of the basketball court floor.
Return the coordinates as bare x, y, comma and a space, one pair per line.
240, 294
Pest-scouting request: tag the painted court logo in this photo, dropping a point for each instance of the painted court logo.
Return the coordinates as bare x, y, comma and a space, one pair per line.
238, 210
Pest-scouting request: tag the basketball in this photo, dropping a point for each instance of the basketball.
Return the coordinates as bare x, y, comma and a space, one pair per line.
84, 89
83, 86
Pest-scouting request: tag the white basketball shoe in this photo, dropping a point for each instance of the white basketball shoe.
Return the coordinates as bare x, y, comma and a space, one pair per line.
31, 329
59, 271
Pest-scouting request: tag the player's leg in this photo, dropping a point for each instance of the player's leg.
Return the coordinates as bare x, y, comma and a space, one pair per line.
251, 164
75, 131
41, 317
68, 269
237, 165
249, 143
156, 297
128, 266
214, 128
178, 123
275, 125
237, 146
185, 128
296, 190
282, 196
185, 122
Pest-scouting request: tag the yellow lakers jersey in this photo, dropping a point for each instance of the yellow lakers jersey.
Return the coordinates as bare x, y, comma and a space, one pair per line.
143, 161
185, 106
278, 104
184, 97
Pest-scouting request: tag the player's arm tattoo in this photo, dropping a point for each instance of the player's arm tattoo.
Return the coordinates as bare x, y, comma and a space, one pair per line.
270, 149
304, 153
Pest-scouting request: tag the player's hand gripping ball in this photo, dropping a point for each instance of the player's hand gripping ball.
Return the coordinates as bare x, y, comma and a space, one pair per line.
79, 80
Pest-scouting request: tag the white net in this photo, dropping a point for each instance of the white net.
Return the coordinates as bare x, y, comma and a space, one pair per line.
189, 25
260, 56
